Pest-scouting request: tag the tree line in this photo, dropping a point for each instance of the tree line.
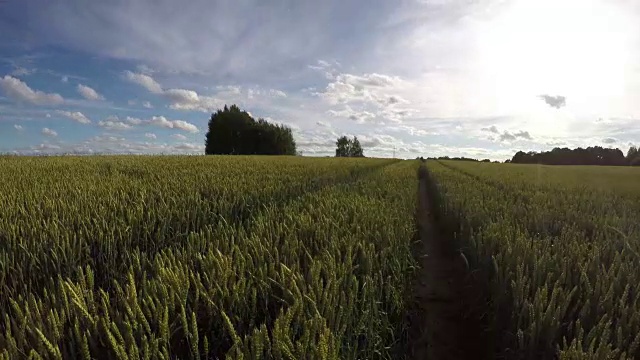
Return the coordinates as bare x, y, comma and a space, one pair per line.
593, 155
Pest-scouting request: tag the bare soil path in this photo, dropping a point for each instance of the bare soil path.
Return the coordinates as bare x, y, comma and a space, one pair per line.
448, 325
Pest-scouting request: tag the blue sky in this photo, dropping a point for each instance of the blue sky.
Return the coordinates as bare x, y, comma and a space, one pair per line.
481, 78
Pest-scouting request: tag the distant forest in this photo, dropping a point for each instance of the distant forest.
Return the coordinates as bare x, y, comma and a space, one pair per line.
593, 155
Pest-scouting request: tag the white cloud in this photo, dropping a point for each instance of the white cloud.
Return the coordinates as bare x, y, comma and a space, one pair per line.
150, 136
143, 80
18, 127
147, 105
316, 141
46, 147
492, 129
65, 79
376, 88
144, 69
554, 101
447, 78
523, 134
48, 115
20, 91
163, 122
89, 93
251, 93
49, 132
190, 147
131, 102
377, 96
353, 115
76, 116
109, 144
133, 121
329, 70
508, 136
277, 93
411, 130
179, 137
182, 99
190, 100
113, 123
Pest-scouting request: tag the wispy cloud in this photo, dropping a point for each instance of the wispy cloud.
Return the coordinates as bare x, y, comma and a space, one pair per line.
22, 71
179, 137
189, 30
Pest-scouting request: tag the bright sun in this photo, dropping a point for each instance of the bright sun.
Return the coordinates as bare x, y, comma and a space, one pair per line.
576, 48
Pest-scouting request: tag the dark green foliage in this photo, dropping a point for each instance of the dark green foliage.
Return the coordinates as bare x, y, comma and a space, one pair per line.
633, 156
346, 147
593, 155
235, 132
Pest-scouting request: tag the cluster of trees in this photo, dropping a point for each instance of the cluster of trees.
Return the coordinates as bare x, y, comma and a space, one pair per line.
593, 155
346, 147
235, 132
232, 131
633, 156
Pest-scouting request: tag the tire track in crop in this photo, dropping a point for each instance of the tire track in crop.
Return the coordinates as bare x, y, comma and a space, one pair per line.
449, 325
242, 215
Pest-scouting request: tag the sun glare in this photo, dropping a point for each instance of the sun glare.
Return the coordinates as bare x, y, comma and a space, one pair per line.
575, 48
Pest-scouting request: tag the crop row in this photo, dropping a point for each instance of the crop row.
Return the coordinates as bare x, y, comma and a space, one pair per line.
194, 257
558, 251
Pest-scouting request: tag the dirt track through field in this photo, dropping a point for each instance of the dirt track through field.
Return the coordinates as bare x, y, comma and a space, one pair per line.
447, 327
